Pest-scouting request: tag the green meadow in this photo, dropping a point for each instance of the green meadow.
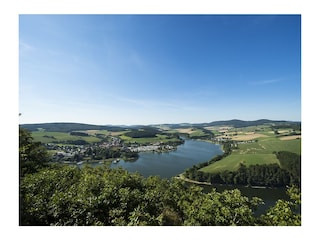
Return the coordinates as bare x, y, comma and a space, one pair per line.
197, 133
49, 137
233, 161
269, 145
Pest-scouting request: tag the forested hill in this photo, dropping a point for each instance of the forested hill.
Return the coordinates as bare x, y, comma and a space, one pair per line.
240, 123
68, 127
234, 123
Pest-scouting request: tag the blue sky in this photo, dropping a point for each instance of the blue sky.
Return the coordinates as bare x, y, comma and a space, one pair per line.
151, 69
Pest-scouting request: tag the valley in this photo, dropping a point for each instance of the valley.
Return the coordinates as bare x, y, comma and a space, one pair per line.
248, 144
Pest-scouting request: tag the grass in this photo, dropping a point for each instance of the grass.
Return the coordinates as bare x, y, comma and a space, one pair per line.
269, 145
197, 133
232, 162
49, 137
276, 144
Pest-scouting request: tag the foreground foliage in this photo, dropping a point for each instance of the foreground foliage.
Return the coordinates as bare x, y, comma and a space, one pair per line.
65, 195
32, 155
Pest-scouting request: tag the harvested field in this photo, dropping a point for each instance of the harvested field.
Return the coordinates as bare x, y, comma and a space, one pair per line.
248, 136
185, 130
115, 134
290, 137
93, 132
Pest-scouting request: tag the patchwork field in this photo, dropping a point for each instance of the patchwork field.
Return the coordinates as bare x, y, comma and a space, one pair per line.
257, 152
94, 136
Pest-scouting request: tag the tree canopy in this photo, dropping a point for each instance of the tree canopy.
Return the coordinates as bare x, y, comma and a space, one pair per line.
32, 155
65, 195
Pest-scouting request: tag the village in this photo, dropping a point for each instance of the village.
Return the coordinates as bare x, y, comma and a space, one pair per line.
110, 149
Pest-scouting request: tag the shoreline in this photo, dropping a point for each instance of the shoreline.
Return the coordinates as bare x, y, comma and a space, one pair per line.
183, 178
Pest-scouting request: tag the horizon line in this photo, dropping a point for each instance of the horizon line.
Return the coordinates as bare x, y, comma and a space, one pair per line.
180, 123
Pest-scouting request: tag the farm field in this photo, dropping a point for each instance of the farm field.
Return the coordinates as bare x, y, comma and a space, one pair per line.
290, 137
260, 151
184, 130
275, 144
248, 136
49, 137
94, 132
232, 162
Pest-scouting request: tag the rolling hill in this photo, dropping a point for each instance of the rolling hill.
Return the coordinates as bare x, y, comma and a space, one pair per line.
69, 127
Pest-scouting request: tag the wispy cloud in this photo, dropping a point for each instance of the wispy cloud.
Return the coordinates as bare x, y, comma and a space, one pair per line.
169, 105
25, 46
264, 82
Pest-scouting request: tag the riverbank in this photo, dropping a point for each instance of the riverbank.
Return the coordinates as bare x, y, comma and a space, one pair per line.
210, 141
183, 178
101, 161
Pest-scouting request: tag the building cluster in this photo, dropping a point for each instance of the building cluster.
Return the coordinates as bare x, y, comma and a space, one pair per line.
75, 153
157, 147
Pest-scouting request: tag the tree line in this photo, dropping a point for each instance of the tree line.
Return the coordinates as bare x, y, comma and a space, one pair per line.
81, 134
293, 126
146, 132
269, 175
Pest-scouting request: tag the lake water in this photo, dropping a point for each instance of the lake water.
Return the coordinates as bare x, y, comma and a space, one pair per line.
170, 164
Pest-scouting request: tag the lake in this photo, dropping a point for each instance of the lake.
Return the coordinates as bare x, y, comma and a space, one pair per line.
170, 164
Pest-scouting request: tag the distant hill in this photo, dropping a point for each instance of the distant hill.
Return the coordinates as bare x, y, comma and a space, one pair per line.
69, 127
240, 123
233, 123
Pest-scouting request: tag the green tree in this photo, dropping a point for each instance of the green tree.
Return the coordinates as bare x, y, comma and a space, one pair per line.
284, 213
65, 195
222, 209
32, 155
